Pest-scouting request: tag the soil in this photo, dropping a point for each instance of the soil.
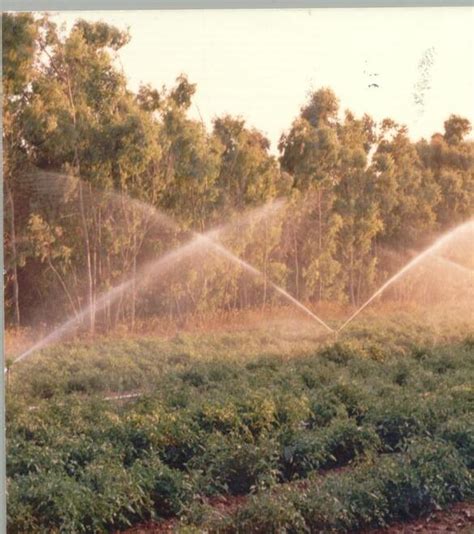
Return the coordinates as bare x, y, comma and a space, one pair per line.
459, 518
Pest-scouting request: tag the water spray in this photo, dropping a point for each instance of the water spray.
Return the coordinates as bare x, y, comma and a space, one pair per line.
251, 269
411, 264
460, 268
163, 264
211, 239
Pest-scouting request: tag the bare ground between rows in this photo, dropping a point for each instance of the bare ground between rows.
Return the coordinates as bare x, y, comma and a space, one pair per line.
458, 518
224, 504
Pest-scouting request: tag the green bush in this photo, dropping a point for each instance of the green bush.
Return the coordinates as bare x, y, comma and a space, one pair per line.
397, 419
229, 464
352, 398
306, 451
170, 490
344, 441
301, 453
324, 407
460, 432
265, 515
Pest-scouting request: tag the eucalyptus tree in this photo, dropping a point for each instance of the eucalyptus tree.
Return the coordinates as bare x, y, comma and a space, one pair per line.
190, 159
19, 55
249, 176
310, 152
407, 190
357, 204
450, 157
81, 120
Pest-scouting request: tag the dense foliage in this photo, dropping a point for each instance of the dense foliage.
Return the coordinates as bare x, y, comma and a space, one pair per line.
354, 188
223, 416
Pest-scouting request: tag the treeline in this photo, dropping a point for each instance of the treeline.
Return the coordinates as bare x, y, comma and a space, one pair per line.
356, 191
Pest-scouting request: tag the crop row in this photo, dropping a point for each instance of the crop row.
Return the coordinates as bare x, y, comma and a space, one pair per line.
83, 465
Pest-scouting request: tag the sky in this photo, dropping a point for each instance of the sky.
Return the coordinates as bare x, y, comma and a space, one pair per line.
262, 64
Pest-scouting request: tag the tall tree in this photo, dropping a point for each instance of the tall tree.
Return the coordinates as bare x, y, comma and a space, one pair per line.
310, 153
450, 157
358, 206
19, 54
407, 190
190, 160
82, 120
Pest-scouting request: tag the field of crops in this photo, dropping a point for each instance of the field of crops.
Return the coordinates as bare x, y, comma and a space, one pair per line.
295, 433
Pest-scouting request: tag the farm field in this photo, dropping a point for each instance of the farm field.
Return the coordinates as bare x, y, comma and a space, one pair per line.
238, 278
291, 431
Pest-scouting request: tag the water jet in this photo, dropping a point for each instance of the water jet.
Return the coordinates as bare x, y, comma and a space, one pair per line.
435, 247
164, 263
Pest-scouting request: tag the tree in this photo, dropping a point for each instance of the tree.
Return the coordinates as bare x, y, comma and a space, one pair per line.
407, 190
358, 206
20, 35
90, 167
455, 129
189, 164
82, 120
248, 175
310, 152
450, 158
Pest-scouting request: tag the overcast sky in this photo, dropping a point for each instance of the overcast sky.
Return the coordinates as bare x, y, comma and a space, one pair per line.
261, 64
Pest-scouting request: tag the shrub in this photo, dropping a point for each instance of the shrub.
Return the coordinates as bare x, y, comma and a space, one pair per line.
460, 432
344, 441
231, 465
430, 474
291, 410
50, 502
301, 453
257, 412
353, 399
265, 515
169, 490
194, 378
324, 407
341, 352
398, 419
336, 445
213, 416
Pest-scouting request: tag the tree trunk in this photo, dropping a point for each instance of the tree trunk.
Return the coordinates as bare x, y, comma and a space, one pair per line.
359, 287
134, 282
265, 266
64, 286
297, 265
351, 277
320, 241
90, 280
16, 290
77, 166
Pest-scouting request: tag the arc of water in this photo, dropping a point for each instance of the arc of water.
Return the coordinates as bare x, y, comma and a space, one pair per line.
46, 182
450, 263
251, 269
162, 264
410, 265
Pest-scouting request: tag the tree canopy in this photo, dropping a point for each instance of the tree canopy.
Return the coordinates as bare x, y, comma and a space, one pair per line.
77, 142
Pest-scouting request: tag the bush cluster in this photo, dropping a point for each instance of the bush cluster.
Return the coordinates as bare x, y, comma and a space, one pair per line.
82, 464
